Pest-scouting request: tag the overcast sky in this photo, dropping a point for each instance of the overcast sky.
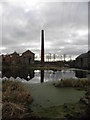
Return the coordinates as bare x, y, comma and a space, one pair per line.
65, 25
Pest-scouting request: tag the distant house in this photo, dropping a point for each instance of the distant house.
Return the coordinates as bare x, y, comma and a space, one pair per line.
27, 57
6, 59
0, 59
82, 61
14, 57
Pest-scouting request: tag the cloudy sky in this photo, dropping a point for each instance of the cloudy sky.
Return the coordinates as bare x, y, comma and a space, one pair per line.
65, 25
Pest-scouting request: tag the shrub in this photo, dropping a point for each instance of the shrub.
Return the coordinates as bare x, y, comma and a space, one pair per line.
73, 83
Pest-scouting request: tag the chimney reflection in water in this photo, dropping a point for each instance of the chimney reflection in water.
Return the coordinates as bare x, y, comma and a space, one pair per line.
42, 76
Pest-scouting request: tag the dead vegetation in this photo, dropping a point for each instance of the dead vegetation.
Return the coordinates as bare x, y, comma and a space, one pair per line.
81, 83
15, 99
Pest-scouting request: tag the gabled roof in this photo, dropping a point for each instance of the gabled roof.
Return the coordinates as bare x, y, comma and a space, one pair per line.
89, 52
15, 53
84, 55
28, 51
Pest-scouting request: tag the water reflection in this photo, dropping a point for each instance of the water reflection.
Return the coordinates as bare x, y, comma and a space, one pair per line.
22, 73
0, 74
40, 76
80, 74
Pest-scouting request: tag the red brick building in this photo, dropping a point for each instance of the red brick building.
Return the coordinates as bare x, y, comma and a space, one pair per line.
26, 58
0, 59
15, 58
6, 59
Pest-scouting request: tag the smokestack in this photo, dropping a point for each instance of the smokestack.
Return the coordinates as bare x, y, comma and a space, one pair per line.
42, 46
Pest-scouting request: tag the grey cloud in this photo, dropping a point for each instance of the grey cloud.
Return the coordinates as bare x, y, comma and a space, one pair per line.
61, 22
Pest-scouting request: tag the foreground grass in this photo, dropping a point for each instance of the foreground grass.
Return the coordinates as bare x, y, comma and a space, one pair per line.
69, 111
15, 99
62, 111
55, 103
47, 95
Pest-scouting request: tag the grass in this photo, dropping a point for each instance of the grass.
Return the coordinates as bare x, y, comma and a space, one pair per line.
15, 92
80, 83
46, 95
62, 111
15, 99
33, 67
48, 101
56, 103
68, 111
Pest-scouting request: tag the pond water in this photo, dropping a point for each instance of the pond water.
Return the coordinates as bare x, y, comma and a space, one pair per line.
40, 76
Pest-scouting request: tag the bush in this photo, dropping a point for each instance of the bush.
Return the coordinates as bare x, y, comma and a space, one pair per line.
73, 83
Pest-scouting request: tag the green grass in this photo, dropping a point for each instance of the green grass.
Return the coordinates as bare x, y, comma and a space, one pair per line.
47, 95
53, 102
62, 111
48, 101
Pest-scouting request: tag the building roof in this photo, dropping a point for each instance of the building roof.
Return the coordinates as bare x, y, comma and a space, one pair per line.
28, 51
84, 55
89, 52
15, 53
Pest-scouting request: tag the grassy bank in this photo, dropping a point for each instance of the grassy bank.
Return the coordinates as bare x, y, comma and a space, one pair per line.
15, 99
53, 102
67, 102
49, 102
34, 67
76, 83
63, 111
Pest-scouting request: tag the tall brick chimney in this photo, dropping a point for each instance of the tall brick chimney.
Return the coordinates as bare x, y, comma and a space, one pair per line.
42, 46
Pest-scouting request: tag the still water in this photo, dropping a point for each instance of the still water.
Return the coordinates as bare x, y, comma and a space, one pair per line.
40, 76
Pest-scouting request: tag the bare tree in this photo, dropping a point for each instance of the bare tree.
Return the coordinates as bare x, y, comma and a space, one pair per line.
54, 56
64, 56
70, 57
49, 56
61, 57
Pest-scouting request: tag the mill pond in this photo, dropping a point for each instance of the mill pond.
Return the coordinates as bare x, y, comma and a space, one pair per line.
39, 76
48, 101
